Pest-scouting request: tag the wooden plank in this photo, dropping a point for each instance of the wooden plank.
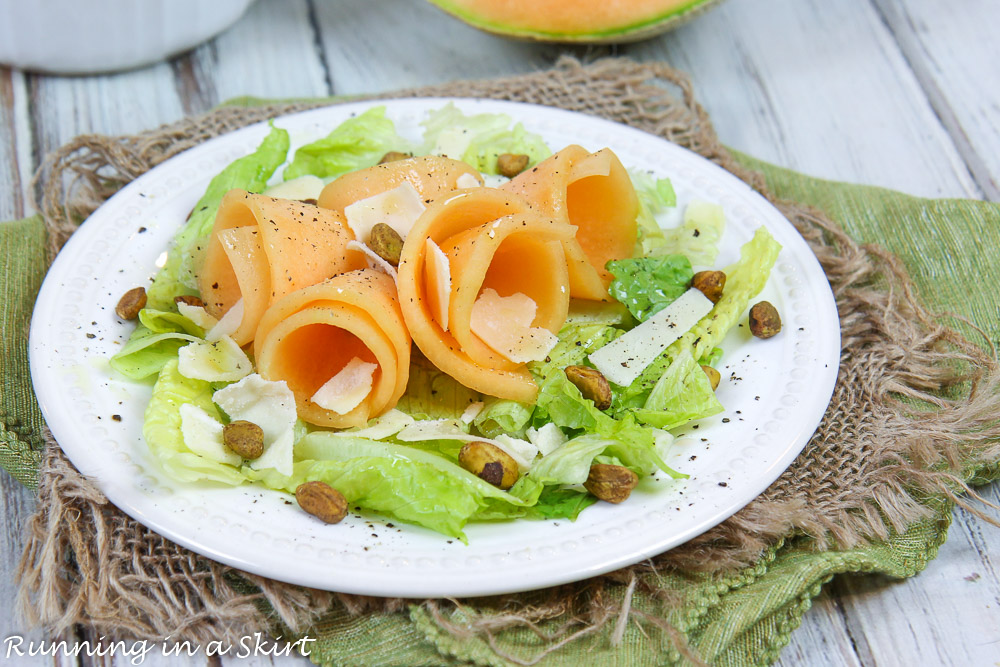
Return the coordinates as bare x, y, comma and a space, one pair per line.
953, 51
16, 505
820, 87
244, 60
64, 107
948, 615
390, 44
822, 638
14, 155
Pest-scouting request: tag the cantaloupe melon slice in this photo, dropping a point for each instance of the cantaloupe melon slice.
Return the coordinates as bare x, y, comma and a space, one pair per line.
593, 192
491, 241
431, 176
262, 248
309, 336
587, 21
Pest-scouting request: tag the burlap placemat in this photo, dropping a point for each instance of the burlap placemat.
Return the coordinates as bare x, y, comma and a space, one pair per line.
913, 416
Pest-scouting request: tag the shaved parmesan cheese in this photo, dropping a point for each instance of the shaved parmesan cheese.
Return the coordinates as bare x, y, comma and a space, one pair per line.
197, 314
625, 358
548, 438
303, 187
270, 405
202, 434
345, 390
277, 453
399, 208
452, 142
494, 180
467, 181
388, 424
229, 323
374, 261
504, 323
437, 276
522, 451
219, 361
472, 412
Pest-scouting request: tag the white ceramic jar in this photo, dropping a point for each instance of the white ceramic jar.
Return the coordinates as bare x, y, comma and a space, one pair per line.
89, 36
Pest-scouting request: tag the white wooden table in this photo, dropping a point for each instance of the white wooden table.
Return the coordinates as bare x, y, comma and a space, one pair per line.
899, 93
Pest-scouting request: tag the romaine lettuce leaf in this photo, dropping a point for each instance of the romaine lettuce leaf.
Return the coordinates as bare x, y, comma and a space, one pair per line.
500, 415
744, 280
698, 237
356, 143
250, 173
154, 342
431, 394
162, 429
403, 482
682, 394
553, 502
647, 285
480, 139
560, 402
655, 196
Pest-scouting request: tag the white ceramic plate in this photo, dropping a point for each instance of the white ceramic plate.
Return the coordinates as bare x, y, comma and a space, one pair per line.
775, 392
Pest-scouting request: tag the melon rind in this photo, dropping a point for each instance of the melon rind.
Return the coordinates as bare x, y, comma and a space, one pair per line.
640, 30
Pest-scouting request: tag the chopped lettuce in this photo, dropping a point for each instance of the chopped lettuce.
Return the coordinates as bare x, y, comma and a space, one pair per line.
480, 139
598, 312
251, 173
576, 341
682, 394
162, 429
358, 142
431, 394
501, 415
655, 196
400, 481
744, 280
560, 402
698, 236
647, 285
154, 342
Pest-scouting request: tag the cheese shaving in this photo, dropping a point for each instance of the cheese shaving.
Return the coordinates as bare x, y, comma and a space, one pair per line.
348, 388
504, 323
399, 208
438, 283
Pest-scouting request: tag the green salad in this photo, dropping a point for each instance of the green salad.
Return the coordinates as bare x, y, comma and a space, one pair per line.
558, 442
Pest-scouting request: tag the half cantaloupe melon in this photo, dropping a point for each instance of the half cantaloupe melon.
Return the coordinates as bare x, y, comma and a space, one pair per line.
586, 21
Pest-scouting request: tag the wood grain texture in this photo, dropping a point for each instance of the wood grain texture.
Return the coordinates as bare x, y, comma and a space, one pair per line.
16, 505
901, 93
820, 87
954, 53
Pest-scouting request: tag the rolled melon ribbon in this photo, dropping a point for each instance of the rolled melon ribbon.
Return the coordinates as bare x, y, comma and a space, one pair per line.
307, 337
492, 241
431, 176
262, 248
592, 192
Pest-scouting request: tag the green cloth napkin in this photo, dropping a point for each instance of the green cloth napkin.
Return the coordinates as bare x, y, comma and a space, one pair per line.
741, 619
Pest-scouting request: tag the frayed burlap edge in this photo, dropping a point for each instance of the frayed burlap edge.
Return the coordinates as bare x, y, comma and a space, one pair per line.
913, 412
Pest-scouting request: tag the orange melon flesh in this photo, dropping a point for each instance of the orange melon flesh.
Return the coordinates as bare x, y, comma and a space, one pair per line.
571, 20
494, 241
431, 176
262, 248
593, 192
308, 336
